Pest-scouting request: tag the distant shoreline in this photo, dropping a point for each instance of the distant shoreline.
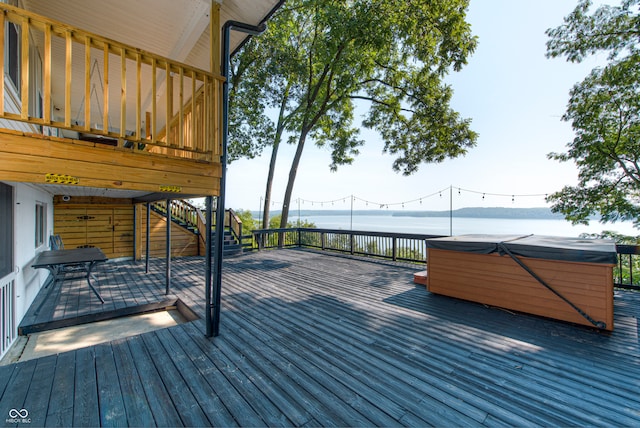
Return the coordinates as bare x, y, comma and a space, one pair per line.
473, 212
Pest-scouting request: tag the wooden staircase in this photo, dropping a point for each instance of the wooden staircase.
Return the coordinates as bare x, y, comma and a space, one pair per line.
191, 218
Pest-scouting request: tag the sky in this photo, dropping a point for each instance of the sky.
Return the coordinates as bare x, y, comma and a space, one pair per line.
515, 98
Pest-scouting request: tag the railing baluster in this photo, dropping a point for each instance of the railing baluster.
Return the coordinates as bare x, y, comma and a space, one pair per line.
154, 96
105, 89
123, 96
24, 83
67, 86
169, 112
46, 71
87, 83
138, 95
3, 23
181, 110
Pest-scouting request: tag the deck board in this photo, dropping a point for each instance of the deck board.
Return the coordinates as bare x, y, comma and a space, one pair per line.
312, 339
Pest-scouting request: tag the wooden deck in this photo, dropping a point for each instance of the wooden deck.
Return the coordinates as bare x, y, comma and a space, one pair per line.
311, 339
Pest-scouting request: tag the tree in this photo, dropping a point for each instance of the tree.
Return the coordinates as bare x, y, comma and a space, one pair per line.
249, 224
604, 111
322, 55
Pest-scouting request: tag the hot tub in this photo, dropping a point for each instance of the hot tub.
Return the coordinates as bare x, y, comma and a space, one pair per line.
568, 279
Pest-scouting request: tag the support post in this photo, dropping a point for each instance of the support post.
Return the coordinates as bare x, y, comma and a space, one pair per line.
168, 264
208, 259
219, 241
146, 257
135, 234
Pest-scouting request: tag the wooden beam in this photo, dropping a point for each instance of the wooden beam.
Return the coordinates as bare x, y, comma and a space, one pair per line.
214, 38
30, 159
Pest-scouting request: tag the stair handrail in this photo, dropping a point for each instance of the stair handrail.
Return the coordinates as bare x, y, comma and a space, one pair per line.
233, 222
181, 211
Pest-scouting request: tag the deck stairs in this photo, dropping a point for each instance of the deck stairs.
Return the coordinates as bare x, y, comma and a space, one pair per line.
191, 218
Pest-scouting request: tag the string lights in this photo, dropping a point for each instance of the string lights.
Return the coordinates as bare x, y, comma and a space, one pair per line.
461, 191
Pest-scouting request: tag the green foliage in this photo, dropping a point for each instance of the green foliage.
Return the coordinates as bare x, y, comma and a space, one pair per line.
319, 56
274, 223
249, 224
604, 111
628, 263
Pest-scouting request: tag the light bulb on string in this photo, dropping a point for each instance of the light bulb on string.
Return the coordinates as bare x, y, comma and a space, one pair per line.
420, 201
513, 198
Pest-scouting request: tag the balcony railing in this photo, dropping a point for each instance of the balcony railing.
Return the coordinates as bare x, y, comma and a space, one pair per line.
383, 245
406, 247
95, 86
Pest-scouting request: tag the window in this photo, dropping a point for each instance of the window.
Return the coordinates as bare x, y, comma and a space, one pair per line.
6, 229
41, 224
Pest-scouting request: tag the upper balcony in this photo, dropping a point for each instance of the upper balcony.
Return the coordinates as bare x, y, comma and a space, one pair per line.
86, 104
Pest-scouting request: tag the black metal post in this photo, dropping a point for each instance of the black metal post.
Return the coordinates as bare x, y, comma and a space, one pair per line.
168, 273
135, 234
146, 258
208, 260
219, 241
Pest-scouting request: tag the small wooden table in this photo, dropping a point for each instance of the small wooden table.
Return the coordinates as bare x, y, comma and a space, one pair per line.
80, 260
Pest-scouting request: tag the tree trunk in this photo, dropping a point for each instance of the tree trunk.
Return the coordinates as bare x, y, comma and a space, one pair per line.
272, 163
292, 179
267, 193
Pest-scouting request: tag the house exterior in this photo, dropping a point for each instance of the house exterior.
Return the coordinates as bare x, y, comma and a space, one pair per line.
103, 106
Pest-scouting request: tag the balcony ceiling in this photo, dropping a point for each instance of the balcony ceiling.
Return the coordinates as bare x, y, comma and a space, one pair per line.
177, 29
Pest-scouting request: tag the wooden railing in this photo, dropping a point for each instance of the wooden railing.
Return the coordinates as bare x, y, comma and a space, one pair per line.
233, 222
8, 314
193, 218
97, 86
181, 211
406, 247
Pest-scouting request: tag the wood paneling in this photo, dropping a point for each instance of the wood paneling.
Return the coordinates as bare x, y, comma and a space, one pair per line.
108, 224
108, 227
499, 281
183, 242
29, 158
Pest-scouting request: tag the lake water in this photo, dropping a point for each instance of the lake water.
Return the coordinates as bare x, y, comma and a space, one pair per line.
462, 225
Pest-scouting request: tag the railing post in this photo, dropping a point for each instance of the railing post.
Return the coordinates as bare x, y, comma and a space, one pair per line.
299, 238
351, 243
322, 239
394, 253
